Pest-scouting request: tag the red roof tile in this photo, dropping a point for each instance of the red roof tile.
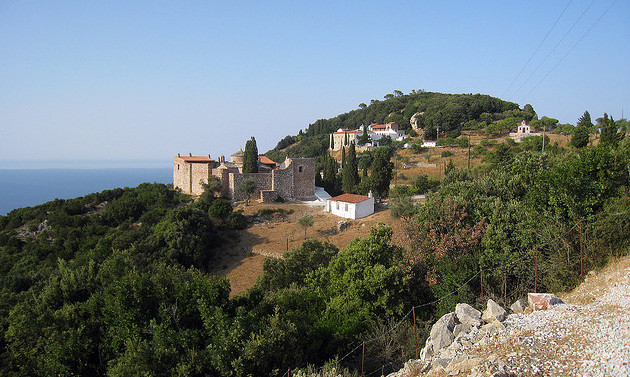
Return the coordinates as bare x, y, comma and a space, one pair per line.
266, 160
350, 198
196, 158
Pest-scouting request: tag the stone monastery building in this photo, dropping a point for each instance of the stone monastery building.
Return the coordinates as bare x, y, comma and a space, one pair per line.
293, 179
344, 137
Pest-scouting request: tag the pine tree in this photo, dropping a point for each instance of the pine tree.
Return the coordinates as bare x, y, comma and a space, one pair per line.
350, 176
250, 157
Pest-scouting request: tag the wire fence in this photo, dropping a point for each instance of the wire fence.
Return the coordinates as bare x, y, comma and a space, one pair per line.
504, 265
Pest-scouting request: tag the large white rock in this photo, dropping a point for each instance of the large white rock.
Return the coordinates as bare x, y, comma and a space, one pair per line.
468, 315
442, 331
493, 311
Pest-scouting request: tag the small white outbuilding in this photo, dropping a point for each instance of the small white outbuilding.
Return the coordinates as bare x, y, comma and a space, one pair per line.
351, 206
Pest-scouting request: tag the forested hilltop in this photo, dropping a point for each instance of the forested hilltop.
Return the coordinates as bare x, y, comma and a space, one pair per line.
429, 111
118, 283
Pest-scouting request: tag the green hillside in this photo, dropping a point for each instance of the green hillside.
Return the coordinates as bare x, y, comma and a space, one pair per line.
120, 283
448, 112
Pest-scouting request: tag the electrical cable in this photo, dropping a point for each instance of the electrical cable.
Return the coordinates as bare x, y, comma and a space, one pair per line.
536, 50
553, 49
571, 49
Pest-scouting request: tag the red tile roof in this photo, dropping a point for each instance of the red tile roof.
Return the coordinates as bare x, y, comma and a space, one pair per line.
196, 158
350, 198
347, 132
266, 160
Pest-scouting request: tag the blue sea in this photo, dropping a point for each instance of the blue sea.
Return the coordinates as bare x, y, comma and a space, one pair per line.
33, 186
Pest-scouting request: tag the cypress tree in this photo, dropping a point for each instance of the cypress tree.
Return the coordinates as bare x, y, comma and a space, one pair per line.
330, 175
350, 176
343, 157
382, 172
585, 120
609, 134
250, 157
580, 136
365, 138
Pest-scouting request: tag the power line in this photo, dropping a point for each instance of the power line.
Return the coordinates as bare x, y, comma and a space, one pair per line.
536, 50
553, 49
571, 49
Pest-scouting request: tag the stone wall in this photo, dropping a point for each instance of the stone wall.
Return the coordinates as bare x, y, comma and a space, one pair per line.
190, 177
268, 196
303, 178
340, 139
283, 182
262, 180
180, 175
222, 174
294, 180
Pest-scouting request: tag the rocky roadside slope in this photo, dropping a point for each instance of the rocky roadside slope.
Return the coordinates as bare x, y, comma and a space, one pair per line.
586, 335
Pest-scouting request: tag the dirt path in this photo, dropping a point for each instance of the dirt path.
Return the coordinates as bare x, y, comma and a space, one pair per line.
279, 234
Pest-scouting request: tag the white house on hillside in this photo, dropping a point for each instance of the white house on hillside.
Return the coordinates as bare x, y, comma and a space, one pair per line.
429, 144
522, 131
390, 129
350, 206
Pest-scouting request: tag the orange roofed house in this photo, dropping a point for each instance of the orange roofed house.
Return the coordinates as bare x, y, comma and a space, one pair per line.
293, 179
351, 206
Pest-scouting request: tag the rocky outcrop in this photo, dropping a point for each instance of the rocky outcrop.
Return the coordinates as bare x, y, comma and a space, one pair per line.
588, 336
414, 120
452, 333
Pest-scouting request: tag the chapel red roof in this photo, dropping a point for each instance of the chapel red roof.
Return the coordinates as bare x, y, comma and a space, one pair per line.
350, 198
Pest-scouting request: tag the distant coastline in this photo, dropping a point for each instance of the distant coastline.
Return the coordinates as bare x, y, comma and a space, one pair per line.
83, 164
29, 186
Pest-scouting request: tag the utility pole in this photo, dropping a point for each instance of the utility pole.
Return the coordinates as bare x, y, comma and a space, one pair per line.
581, 252
544, 131
468, 149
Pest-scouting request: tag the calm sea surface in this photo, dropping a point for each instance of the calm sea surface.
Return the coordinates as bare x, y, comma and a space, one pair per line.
29, 187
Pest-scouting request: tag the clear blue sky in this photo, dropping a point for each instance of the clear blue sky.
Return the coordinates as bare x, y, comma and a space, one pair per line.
135, 80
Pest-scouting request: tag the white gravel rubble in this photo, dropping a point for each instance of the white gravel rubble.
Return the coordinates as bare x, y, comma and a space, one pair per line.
589, 339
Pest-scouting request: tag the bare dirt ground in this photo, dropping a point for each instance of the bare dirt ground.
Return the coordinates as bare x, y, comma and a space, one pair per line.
241, 262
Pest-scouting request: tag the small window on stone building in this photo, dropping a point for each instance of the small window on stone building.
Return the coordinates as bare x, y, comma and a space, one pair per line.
346, 207
337, 205
300, 169
177, 166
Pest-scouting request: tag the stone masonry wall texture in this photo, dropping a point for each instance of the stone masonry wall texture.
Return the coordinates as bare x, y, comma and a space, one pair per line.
295, 179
